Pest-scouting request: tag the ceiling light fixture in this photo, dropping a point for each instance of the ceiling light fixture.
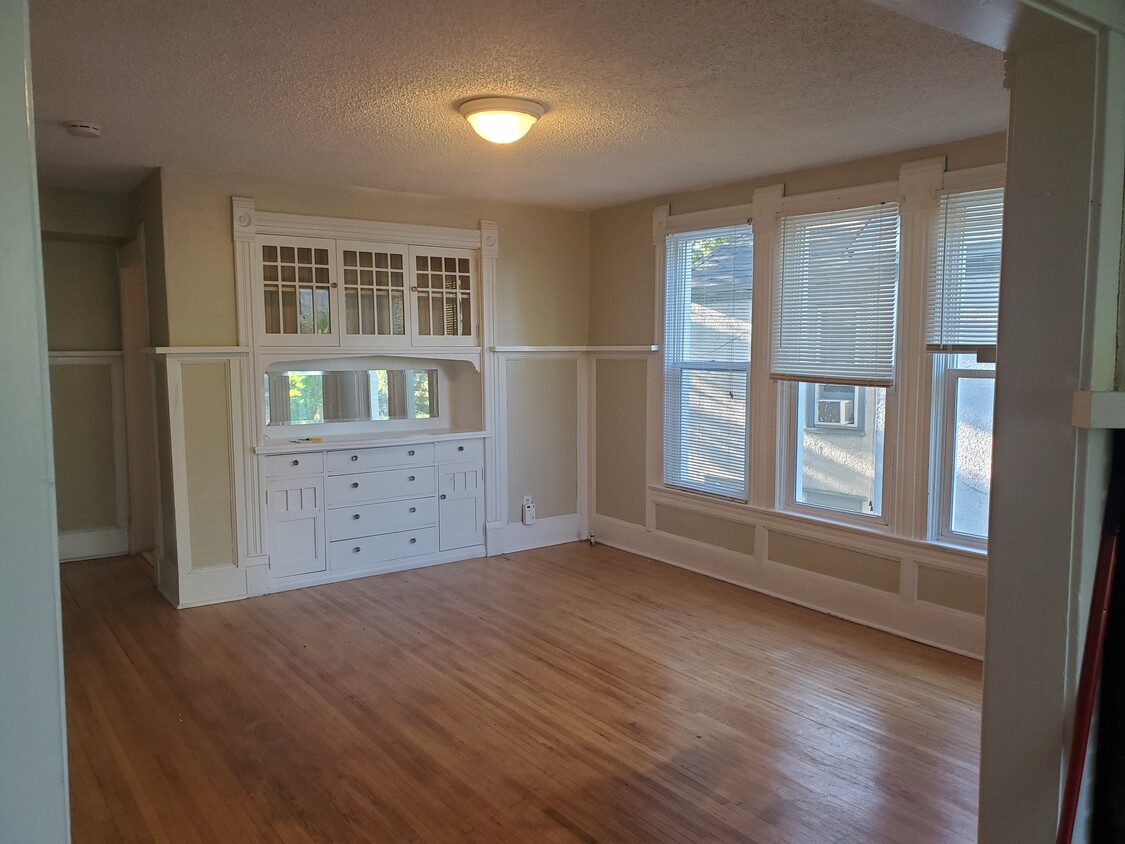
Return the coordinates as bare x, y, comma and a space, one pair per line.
501, 119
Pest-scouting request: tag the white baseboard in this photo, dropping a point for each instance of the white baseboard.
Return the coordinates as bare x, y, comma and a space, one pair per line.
89, 544
516, 536
944, 628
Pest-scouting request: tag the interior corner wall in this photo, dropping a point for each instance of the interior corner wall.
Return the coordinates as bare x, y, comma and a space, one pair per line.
146, 207
83, 214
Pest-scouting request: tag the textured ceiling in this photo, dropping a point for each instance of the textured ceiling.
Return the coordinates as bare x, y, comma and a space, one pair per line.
644, 96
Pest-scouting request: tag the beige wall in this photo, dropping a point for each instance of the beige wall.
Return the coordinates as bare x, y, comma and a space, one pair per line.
86, 214
542, 436
82, 414
622, 270
210, 488
146, 207
951, 589
620, 438
83, 303
543, 271
622, 304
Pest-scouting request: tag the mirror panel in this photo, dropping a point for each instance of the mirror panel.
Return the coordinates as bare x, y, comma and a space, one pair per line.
315, 397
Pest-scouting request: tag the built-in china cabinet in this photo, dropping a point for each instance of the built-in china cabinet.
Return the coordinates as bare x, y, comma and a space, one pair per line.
359, 400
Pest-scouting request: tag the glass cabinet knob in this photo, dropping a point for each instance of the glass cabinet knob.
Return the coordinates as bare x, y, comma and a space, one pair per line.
410, 453
355, 485
355, 457
412, 540
413, 509
443, 496
411, 478
356, 550
296, 462
355, 516
460, 448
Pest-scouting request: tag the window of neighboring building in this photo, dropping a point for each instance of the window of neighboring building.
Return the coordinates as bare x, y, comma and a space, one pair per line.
707, 314
963, 291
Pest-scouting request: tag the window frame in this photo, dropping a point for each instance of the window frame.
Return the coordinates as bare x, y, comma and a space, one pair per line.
706, 222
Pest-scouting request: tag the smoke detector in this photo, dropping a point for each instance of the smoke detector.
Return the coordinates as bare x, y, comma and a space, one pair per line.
83, 129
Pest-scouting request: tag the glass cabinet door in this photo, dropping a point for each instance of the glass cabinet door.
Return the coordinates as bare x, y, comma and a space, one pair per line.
373, 294
443, 292
297, 281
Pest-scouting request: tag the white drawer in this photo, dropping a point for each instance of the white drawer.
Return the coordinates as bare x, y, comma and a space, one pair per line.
368, 519
460, 450
377, 486
293, 465
371, 550
362, 459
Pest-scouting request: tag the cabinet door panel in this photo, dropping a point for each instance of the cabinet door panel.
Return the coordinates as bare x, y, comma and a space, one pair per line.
374, 294
444, 296
295, 296
461, 506
295, 525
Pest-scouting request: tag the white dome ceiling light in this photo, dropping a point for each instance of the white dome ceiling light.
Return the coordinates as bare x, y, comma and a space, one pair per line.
502, 120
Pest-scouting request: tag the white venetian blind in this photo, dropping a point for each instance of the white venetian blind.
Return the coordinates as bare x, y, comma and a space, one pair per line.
834, 306
708, 290
963, 290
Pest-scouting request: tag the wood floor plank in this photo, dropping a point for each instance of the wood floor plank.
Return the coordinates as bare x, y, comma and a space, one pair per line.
565, 694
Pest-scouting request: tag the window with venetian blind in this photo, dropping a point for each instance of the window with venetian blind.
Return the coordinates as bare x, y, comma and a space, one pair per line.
708, 292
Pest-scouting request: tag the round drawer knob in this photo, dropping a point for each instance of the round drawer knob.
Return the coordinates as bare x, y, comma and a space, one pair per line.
410, 453
355, 485
356, 550
355, 457
411, 478
296, 462
355, 516
412, 540
443, 496
413, 509
460, 448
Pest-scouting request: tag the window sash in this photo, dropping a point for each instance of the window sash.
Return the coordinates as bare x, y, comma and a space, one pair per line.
705, 433
963, 284
708, 292
834, 307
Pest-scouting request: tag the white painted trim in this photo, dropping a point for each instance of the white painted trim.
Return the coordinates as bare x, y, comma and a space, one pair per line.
621, 350
555, 530
838, 534
84, 357
582, 367
1098, 409
301, 225
930, 624
285, 584
93, 543
711, 218
839, 200
975, 178
202, 351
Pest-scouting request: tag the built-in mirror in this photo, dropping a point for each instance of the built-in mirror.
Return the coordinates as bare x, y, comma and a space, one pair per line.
313, 397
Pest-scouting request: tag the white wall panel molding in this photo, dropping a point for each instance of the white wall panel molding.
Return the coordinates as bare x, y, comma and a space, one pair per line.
949, 629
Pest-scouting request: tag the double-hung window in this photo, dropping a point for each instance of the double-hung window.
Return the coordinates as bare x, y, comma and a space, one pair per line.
833, 337
962, 302
707, 315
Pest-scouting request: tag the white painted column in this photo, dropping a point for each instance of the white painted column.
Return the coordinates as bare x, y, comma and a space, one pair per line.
33, 771
1057, 334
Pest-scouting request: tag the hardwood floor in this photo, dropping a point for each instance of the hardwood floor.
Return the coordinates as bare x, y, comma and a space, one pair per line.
565, 694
